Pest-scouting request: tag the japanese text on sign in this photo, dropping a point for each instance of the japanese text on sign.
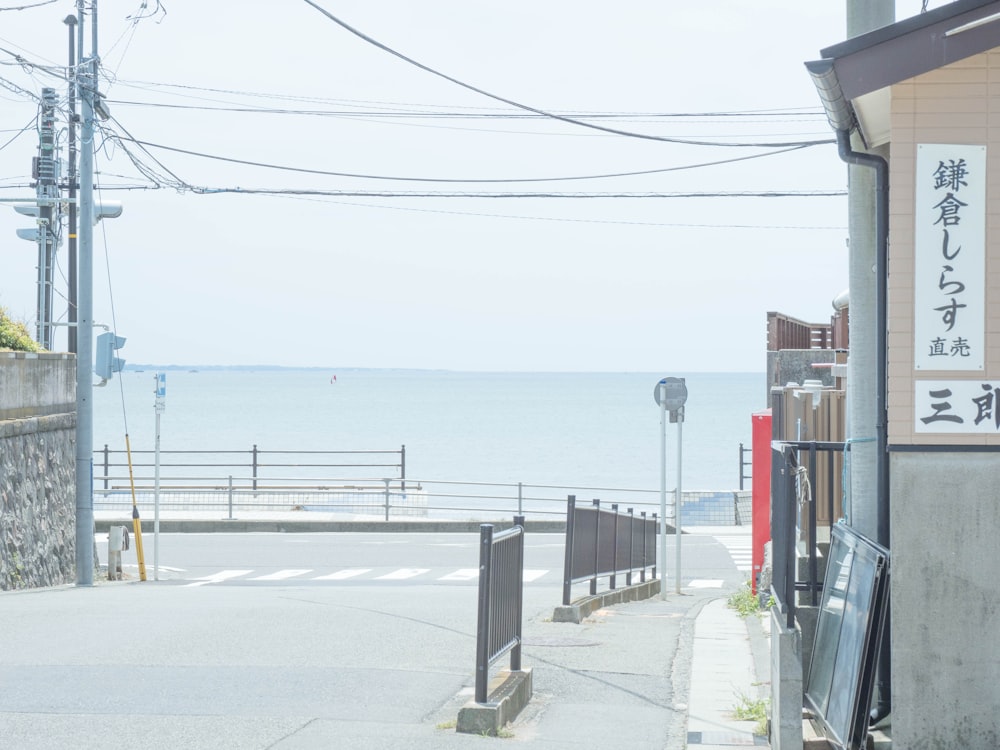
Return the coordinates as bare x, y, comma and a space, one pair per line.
957, 406
949, 257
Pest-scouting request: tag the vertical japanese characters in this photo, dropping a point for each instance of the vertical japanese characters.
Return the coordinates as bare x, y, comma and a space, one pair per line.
949, 316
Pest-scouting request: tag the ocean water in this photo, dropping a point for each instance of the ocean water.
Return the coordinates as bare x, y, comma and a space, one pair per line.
598, 430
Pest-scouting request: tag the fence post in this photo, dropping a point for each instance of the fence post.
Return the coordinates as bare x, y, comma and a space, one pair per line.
520, 499
387, 481
253, 464
644, 553
515, 654
106, 466
230, 494
568, 553
402, 468
631, 546
597, 546
483, 628
614, 546
655, 526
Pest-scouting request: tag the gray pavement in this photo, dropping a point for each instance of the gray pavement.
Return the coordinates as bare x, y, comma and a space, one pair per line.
155, 665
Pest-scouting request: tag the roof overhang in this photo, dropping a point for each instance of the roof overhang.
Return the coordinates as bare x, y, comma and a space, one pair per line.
861, 71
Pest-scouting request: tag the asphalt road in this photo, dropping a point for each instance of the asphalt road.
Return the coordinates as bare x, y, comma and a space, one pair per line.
194, 661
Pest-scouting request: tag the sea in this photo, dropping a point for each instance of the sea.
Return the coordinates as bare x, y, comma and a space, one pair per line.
584, 430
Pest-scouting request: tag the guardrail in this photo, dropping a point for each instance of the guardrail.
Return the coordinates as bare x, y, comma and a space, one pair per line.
605, 543
501, 581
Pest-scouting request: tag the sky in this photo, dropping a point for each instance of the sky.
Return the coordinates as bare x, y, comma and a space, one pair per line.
214, 262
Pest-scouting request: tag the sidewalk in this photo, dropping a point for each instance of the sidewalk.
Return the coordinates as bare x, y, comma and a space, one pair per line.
728, 660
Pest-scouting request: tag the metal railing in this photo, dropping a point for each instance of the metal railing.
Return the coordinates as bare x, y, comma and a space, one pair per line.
257, 480
794, 527
501, 582
605, 543
253, 466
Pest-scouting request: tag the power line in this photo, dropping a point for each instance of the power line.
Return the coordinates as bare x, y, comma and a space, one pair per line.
523, 195
552, 115
329, 173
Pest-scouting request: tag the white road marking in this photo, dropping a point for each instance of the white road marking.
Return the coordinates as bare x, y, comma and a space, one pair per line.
402, 574
282, 574
222, 575
341, 575
462, 574
705, 583
532, 575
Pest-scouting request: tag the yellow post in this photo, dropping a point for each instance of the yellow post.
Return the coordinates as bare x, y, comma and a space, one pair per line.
136, 525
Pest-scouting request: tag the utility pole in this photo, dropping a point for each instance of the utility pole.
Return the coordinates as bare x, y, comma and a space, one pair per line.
87, 90
44, 172
71, 180
865, 421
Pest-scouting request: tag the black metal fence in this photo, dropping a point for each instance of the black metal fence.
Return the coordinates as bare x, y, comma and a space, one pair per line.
602, 542
501, 575
794, 515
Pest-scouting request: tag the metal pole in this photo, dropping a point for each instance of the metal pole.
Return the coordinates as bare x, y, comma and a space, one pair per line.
483, 629
46, 190
663, 493
71, 295
677, 504
156, 488
387, 481
85, 353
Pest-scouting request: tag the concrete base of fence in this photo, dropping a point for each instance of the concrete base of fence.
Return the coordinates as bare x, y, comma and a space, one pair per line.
509, 693
581, 609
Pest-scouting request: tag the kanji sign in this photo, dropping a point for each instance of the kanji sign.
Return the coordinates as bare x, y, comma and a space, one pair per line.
949, 316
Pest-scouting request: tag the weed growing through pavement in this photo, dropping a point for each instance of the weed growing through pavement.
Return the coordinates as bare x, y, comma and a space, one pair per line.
746, 603
750, 709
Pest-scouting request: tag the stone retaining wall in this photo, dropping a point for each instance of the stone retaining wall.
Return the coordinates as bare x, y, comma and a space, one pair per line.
37, 469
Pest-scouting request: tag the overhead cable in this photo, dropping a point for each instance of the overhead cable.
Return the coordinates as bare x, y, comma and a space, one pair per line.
552, 115
329, 173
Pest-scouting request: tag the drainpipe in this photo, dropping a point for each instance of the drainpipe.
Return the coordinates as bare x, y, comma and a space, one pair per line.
881, 167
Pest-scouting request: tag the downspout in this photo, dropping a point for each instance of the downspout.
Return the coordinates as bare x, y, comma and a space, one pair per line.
881, 167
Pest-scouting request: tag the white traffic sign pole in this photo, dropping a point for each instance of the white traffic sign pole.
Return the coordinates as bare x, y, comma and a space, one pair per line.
677, 502
663, 493
160, 404
670, 395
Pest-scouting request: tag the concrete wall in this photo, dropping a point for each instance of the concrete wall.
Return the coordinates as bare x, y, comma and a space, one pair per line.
945, 600
37, 469
796, 365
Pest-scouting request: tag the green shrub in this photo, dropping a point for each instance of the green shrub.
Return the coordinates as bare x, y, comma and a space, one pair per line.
14, 335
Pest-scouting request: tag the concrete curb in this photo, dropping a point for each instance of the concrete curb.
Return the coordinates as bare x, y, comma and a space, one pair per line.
581, 609
509, 693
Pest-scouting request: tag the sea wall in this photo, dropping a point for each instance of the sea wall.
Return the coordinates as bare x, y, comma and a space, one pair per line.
37, 469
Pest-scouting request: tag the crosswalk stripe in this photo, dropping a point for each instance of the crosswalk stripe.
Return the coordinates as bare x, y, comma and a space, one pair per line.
222, 575
462, 574
341, 575
458, 575
402, 574
705, 583
281, 575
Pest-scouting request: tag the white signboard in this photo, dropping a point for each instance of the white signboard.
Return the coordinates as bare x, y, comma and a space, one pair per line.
957, 406
949, 296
